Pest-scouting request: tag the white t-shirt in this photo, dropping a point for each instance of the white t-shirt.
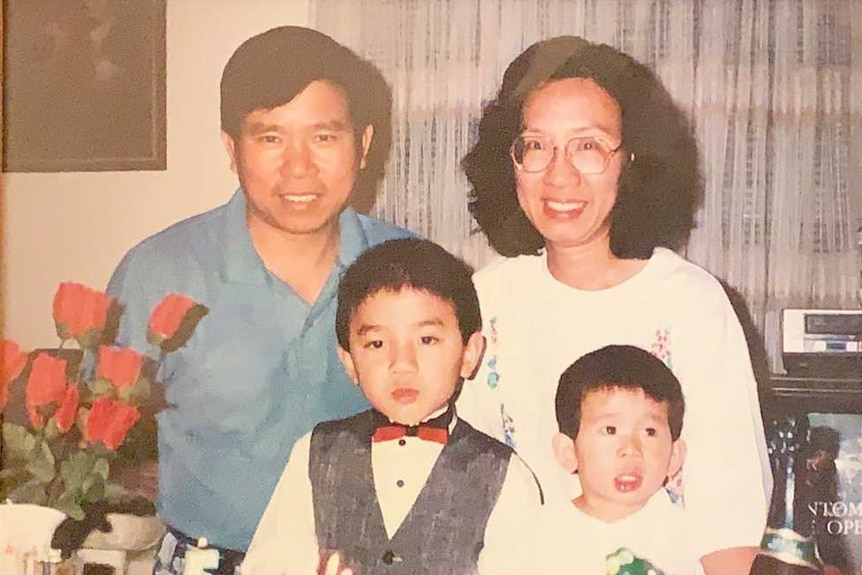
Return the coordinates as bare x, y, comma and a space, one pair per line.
537, 326
658, 533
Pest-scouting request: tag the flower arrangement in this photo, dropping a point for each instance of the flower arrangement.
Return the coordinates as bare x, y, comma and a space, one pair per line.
80, 403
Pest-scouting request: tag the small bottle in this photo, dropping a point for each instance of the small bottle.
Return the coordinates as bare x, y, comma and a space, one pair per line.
199, 559
788, 546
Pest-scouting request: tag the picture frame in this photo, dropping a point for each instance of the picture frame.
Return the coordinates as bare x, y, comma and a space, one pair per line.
84, 85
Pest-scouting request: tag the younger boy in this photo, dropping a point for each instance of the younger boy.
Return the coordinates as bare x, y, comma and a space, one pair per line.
405, 487
619, 411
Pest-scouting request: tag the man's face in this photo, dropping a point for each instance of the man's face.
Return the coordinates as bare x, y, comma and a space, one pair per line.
407, 354
298, 162
623, 451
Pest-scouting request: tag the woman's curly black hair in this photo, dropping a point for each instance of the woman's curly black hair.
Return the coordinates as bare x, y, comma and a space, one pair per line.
658, 192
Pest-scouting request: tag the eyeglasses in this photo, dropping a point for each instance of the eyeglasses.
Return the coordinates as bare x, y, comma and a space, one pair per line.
587, 155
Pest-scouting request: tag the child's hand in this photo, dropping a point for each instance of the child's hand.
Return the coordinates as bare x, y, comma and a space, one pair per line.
333, 566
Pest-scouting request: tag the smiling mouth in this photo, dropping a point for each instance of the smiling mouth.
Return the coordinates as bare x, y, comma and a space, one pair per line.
566, 208
298, 198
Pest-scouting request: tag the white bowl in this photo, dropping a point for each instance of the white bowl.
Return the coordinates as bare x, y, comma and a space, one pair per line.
129, 533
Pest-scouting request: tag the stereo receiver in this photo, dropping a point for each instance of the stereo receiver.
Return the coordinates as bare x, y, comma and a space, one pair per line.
825, 343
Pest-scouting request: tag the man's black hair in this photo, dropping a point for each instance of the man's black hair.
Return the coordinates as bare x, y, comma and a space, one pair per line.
268, 70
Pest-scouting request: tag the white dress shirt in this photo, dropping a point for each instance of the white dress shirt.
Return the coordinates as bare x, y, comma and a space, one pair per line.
285, 542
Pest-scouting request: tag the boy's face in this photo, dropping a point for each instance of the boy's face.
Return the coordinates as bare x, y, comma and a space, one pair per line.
622, 454
406, 353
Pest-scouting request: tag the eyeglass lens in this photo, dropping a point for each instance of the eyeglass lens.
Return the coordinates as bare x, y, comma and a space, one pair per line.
587, 155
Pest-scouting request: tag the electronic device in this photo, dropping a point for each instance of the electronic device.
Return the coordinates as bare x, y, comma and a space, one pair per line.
825, 343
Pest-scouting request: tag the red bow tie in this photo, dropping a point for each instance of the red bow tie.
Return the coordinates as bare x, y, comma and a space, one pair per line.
426, 432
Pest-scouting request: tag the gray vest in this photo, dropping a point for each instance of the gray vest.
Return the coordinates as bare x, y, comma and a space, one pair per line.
442, 533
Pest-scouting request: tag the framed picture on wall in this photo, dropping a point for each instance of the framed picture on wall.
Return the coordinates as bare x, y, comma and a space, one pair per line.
84, 85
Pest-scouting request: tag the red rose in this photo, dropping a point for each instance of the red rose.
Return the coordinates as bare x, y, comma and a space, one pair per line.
46, 384
168, 316
120, 366
79, 311
12, 362
65, 415
109, 421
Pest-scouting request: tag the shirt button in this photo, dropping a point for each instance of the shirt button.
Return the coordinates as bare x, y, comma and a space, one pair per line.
388, 557
400, 483
402, 442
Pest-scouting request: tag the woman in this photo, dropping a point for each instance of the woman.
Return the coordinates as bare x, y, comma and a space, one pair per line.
585, 177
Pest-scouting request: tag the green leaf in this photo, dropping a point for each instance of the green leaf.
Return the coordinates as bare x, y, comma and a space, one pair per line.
51, 430
18, 443
76, 469
115, 492
102, 468
93, 488
70, 504
137, 393
41, 464
12, 472
102, 387
30, 492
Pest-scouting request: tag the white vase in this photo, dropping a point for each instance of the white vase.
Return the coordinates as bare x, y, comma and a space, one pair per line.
25, 532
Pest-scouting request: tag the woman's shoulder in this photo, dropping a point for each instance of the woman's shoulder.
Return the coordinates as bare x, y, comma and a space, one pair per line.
508, 269
671, 269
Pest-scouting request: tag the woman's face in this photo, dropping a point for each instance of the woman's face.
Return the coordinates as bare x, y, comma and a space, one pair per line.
568, 208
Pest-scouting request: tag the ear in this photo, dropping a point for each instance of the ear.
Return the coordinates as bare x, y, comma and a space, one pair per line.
367, 136
677, 457
473, 351
347, 362
564, 452
230, 146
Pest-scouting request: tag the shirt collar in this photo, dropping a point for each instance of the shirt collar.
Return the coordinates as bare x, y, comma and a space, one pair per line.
243, 265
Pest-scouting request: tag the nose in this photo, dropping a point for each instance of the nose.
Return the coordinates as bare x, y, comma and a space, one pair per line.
297, 159
403, 358
560, 172
630, 445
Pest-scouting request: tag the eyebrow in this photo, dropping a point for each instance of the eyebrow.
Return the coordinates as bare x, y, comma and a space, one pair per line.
652, 418
578, 132
367, 328
263, 127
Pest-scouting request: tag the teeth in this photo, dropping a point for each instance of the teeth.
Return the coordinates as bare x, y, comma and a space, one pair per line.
303, 199
565, 206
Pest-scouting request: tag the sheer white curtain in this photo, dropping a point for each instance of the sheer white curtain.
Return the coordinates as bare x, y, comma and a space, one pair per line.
774, 88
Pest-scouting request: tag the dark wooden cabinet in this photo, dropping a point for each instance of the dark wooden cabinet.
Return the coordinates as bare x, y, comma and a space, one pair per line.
788, 394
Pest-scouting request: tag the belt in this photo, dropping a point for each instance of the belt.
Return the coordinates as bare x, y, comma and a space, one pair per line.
229, 559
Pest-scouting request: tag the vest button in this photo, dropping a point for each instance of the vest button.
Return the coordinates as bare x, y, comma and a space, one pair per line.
388, 557
400, 483
402, 442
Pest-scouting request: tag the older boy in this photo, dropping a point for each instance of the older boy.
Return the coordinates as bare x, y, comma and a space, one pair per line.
406, 485
619, 411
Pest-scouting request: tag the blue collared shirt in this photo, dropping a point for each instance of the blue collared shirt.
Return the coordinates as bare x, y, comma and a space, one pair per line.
259, 371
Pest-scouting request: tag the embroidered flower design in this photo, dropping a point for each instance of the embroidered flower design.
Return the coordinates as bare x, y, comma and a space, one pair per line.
674, 488
493, 375
508, 427
661, 347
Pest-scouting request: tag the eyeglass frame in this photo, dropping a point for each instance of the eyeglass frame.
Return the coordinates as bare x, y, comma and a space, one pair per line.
610, 154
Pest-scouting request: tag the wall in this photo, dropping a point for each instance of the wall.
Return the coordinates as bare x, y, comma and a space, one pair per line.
77, 226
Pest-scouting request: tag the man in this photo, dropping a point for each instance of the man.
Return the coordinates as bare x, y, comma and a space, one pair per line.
302, 119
